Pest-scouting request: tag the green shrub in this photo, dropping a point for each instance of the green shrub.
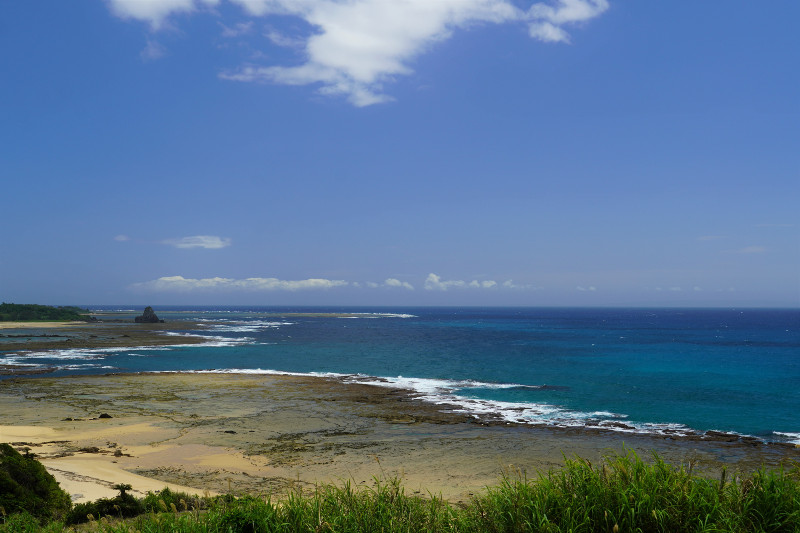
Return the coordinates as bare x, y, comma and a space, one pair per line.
167, 500
244, 515
26, 487
122, 505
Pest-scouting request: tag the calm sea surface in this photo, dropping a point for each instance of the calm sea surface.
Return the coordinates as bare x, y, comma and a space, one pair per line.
644, 370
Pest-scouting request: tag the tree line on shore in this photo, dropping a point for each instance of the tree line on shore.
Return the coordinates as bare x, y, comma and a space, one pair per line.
42, 313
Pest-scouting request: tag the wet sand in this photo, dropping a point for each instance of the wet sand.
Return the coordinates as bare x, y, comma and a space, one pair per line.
267, 434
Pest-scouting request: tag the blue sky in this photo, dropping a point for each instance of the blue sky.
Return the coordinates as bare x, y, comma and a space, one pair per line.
378, 152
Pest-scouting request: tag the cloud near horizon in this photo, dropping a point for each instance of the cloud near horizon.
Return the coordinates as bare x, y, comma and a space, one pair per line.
435, 283
210, 242
357, 46
392, 282
181, 284
432, 283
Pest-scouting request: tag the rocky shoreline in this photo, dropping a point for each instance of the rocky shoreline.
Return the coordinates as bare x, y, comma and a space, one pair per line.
108, 333
265, 434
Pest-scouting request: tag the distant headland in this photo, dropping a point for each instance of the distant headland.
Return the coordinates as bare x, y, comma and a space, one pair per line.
43, 313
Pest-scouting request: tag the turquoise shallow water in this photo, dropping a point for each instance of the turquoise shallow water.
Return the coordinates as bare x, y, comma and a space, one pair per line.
646, 370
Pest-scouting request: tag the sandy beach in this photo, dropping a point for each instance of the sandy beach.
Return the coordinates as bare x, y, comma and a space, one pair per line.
39, 325
267, 434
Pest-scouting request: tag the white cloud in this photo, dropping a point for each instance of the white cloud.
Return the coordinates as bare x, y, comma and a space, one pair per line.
591, 288
547, 19
199, 241
357, 46
509, 284
392, 282
181, 284
155, 11
362, 44
547, 32
435, 283
122, 238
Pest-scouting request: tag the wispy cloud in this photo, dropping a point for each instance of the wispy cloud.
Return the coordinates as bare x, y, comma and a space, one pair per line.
237, 30
590, 288
284, 40
181, 284
210, 242
509, 284
359, 45
152, 51
751, 250
122, 238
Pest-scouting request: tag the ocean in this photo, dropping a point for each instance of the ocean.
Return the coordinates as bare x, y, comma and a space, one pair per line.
629, 370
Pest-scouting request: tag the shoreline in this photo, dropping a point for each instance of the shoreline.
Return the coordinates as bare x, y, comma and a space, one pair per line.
116, 331
28, 337
269, 433
45, 325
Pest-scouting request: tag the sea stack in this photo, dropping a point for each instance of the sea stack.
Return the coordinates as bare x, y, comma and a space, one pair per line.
148, 317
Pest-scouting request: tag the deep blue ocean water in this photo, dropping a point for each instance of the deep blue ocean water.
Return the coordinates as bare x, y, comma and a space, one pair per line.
652, 370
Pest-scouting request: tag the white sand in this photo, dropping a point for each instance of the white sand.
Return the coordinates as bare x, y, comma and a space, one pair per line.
39, 325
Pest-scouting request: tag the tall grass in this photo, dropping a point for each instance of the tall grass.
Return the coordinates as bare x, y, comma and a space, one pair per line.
623, 493
626, 494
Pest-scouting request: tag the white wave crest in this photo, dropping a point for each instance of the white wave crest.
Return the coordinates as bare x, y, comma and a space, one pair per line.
794, 438
378, 315
246, 326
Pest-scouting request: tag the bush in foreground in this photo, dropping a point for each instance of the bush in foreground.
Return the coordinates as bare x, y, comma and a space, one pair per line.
621, 494
123, 505
26, 487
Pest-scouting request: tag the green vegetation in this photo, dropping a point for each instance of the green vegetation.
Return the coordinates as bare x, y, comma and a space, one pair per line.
622, 494
42, 313
122, 505
26, 487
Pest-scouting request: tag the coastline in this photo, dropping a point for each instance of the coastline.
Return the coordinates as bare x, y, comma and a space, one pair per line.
28, 337
42, 325
267, 434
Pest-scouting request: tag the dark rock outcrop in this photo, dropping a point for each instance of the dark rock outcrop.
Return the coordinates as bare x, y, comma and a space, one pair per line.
148, 317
